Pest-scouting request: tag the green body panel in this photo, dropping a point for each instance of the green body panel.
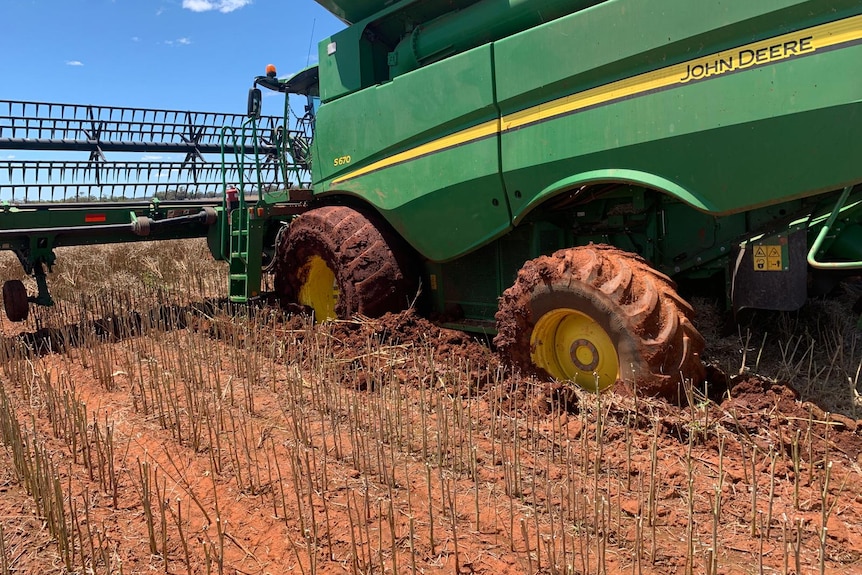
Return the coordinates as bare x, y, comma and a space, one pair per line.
751, 135
467, 288
468, 201
417, 196
400, 115
848, 243
402, 36
620, 39
482, 22
732, 142
721, 170
344, 71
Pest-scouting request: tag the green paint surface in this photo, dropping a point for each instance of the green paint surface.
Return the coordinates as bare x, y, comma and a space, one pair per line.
665, 128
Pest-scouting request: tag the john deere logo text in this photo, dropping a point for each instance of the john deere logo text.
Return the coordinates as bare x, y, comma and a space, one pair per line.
746, 57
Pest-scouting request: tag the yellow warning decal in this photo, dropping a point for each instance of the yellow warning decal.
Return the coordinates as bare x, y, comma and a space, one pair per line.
768, 258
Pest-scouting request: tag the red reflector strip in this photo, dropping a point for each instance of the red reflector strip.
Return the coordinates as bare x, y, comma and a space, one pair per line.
95, 218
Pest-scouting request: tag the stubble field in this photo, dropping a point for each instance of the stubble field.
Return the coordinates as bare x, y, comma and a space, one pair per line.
148, 427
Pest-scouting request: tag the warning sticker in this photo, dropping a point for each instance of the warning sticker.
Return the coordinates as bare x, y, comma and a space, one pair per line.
768, 258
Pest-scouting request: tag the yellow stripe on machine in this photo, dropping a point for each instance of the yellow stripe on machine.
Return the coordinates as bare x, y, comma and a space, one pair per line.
775, 49
470, 134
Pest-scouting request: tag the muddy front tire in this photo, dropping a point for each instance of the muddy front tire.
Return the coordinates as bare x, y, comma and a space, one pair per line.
595, 315
339, 262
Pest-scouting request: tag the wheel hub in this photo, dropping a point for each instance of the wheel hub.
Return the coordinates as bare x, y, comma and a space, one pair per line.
571, 345
584, 355
319, 289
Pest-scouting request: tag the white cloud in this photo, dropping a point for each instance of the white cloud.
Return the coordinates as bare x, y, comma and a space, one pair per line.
150, 158
198, 5
10, 157
74, 63
184, 41
223, 6
135, 39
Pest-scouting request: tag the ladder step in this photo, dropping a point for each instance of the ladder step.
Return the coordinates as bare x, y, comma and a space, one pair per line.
240, 238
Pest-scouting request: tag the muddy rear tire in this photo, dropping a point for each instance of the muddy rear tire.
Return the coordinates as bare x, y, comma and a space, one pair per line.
340, 262
15, 302
595, 315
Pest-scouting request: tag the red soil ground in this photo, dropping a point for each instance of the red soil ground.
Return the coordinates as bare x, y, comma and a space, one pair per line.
394, 446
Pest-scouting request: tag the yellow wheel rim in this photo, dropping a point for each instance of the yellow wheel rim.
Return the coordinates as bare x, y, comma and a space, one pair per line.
571, 345
319, 290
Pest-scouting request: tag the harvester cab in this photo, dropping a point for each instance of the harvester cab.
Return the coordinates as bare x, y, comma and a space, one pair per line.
305, 83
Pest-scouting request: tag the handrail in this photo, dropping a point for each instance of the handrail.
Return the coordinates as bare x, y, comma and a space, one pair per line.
821, 237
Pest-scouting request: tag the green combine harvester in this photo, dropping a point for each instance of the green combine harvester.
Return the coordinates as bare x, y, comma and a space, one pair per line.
551, 171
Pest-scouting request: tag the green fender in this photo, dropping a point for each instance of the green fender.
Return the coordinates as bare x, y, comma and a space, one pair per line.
613, 175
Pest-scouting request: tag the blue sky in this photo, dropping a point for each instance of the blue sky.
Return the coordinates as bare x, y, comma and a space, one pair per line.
176, 54
199, 55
